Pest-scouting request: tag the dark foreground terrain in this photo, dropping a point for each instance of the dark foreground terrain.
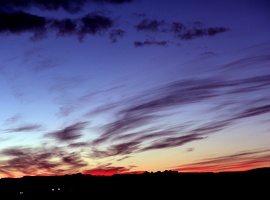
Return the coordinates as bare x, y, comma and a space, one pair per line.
252, 184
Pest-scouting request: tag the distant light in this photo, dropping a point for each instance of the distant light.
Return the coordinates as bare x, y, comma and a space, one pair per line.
52, 189
21, 192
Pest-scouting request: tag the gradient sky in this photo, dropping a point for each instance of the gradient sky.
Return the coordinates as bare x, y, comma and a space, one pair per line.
126, 86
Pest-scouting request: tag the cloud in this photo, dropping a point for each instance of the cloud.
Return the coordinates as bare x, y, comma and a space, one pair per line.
129, 132
65, 27
107, 170
12, 120
235, 162
254, 111
148, 43
116, 34
68, 133
190, 149
172, 142
195, 30
93, 24
39, 161
112, 1
21, 22
150, 25
79, 144
68, 5
179, 30
123, 148
25, 128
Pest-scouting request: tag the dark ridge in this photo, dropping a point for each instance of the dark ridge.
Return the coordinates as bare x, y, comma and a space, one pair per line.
166, 185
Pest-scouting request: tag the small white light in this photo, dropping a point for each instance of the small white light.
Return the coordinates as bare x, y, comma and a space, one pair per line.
52, 189
58, 188
21, 192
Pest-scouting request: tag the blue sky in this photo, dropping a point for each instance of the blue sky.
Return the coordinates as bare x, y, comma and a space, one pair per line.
127, 86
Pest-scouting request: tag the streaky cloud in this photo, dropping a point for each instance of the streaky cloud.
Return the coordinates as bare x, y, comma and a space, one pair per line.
107, 170
39, 161
150, 25
148, 43
116, 34
236, 162
68, 133
195, 30
173, 142
25, 128
128, 132
113, 1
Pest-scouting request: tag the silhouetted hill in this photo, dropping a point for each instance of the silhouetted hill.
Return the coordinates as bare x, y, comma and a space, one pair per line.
166, 185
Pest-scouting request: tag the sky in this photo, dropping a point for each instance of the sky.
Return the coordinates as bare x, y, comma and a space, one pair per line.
105, 87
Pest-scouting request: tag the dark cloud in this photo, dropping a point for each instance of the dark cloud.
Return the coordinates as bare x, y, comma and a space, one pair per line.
94, 24
195, 33
113, 1
154, 138
65, 27
39, 161
178, 29
68, 133
74, 159
254, 111
150, 25
172, 142
145, 109
248, 61
194, 30
116, 34
19, 22
123, 124
117, 149
90, 24
107, 170
234, 162
79, 144
148, 43
68, 5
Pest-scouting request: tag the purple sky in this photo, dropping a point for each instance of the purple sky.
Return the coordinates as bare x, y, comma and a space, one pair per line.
113, 86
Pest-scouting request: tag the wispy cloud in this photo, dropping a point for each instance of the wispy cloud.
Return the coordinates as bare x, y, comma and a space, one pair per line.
108, 170
25, 128
234, 162
68, 133
180, 30
130, 133
39, 161
150, 25
116, 34
148, 43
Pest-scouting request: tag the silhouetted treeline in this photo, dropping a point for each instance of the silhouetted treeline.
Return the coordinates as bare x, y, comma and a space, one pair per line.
162, 185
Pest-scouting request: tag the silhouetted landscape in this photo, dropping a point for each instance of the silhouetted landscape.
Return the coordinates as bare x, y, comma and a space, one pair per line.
167, 184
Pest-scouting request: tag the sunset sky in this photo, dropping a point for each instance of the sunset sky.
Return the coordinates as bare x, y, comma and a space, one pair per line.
127, 86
